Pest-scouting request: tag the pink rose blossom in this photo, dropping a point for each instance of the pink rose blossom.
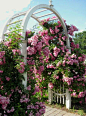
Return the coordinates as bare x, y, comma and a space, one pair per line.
51, 31
7, 78
74, 94
28, 32
80, 102
51, 85
81, 94
56, 30
29, 87
46, 51
48, 19
1, 71
57, 77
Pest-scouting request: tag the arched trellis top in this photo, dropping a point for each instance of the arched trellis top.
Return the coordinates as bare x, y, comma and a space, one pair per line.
31, 13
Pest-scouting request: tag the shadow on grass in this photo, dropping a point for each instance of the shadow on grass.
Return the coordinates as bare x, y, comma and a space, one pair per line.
79, 108
76, 108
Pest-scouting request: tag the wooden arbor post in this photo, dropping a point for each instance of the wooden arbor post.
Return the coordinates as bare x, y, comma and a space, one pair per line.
26, 16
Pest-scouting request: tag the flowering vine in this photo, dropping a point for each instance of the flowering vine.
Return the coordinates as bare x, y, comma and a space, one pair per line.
48, 61
53, 62
14, 98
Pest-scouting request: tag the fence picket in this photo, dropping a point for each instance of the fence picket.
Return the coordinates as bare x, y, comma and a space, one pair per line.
60, 97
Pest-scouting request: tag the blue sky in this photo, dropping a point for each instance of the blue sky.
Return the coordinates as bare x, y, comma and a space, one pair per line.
73, 11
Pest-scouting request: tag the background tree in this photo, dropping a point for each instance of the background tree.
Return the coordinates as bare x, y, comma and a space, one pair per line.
80, 38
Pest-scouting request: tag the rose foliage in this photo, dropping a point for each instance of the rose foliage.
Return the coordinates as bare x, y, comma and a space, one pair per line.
15, 100
48, 61
53, 63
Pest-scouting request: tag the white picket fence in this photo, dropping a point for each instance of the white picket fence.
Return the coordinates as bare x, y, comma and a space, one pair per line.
62, 97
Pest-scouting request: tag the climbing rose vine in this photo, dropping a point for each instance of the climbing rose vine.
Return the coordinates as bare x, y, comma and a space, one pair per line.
15, 100
52, 61
48, 61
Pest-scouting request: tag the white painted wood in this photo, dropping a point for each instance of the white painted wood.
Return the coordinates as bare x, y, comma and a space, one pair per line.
35, 17
24, 82
60, 93
8, 22
50, 2
31, 13
57, 99
45, 15
63, 100
40, 11
50, 95
14, 22
5, 29
6, 33
68, 99
32, 10
23, 49
63, 95
19, 14
60, 96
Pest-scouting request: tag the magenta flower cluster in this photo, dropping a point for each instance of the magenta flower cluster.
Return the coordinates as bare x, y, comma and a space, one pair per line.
48, 60
4, 101
13, 96
2, 57
61, 65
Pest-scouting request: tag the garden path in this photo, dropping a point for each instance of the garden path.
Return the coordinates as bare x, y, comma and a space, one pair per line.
57, 112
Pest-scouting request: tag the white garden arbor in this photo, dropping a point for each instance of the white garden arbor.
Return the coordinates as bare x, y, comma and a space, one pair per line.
35, 14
